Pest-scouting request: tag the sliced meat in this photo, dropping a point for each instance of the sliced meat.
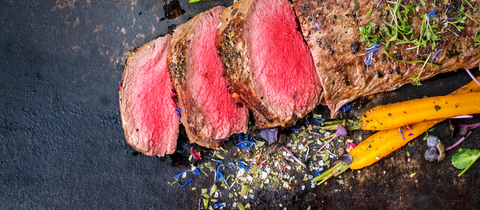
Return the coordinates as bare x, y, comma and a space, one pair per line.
331, 29
268, 62
146, 104
209, 112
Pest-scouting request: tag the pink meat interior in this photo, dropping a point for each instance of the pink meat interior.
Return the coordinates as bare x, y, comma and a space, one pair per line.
151, 109
209, 81
283, 68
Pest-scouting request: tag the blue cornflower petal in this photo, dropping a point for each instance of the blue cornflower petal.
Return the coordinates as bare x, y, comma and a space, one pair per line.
317, 120
436, 53
246, 144
239, 137
400, 129
379, 2
370, 52
218, 161
346, 107
183, 185
178, 113
246, 137
198, 204
180, 174
197, 172
220, 175
432, 13
218, 205
242, 165
296, 129
368, 60
294, 96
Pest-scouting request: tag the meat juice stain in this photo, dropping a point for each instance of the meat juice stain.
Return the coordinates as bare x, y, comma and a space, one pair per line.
172, 10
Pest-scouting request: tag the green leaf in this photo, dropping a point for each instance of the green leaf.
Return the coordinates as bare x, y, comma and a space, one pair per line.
369, 13
423, 4
464, 159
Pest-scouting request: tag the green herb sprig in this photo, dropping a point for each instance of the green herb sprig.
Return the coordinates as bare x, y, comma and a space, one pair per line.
368, 37
477, 39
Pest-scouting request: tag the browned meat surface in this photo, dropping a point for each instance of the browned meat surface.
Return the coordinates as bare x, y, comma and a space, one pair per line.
331, 29
268, 62
209, 112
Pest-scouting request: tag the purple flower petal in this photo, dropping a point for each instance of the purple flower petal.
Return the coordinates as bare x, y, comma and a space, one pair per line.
270, 135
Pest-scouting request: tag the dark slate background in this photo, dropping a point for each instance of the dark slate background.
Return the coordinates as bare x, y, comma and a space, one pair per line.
62, 144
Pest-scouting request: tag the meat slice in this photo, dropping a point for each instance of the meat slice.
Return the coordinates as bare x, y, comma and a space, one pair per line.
269, 64
146, 104
209, 112
331, 29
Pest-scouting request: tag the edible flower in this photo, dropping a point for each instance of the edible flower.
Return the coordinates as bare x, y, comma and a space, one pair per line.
180, 174
178, 113
347, 107
317, 120
370, 52
379, 2
219, 175
183, 185
294, 96
431, 14
296, 129
240, 165
119, 86
270, 135
246, 144
217, 205
350, 146
436, 53
197, 172
400, 129
195, 154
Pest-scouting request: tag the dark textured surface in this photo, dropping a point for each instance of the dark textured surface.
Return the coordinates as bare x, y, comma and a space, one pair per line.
62, 145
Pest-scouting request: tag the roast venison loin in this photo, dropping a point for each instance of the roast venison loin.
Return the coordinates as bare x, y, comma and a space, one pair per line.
209, 111
331, 29
268, 63
146, 104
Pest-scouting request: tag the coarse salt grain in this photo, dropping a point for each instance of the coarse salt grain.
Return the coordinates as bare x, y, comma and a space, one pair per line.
184, 175
300, 146
245, 197
310, 176
303, 187
240, 172
215, 195
264, 175
251, 196
327, 134
267, 181
234, 204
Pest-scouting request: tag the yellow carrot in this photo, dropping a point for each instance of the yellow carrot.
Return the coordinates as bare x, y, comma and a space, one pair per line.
385, 142
420, 110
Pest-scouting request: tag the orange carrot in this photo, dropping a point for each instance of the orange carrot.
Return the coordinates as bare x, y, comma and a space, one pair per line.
420, 110
385, 142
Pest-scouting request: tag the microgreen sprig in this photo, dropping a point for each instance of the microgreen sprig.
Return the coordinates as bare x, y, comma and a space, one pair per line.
368, 37
477, 39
